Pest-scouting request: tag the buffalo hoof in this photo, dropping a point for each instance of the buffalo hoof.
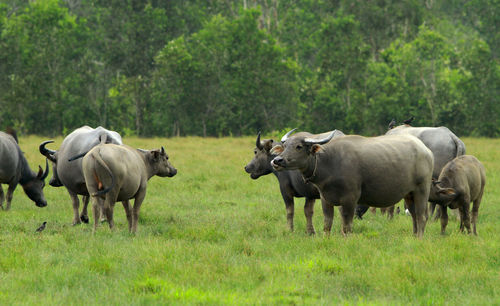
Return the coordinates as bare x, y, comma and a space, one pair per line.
85, 219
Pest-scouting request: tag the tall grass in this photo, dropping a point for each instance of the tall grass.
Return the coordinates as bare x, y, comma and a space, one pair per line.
211, 235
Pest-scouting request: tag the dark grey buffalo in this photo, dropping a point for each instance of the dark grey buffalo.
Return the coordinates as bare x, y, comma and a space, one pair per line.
14, 169
69, 173
291, 182
120, 173
378, 171
460, 182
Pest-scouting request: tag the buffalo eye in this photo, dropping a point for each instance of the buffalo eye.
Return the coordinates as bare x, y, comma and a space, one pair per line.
255, 152
299, 147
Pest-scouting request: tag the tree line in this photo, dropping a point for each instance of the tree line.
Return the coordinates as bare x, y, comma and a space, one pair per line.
221, 67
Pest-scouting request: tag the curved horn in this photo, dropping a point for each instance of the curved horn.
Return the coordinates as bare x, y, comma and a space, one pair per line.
46, 170
257, 142
46, 152
162, 150
320, 141
285, 137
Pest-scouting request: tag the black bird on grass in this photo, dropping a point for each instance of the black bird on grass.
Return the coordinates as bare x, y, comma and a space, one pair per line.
42, 227
392, 123
409, 120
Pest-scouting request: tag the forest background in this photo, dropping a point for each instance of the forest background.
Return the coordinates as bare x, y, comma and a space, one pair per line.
221, 67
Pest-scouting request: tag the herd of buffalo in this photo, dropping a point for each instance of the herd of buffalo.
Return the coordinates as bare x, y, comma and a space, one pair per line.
417, 164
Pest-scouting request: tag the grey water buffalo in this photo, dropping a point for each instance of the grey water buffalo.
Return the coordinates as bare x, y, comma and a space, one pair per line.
378, 171
69, 173
120, 173
291, 182
460, 182
14, 169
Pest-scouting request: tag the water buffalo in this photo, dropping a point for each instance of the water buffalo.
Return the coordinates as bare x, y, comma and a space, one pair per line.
69, 173
14, 169
120, 173
378, 171
461, 182
291, 182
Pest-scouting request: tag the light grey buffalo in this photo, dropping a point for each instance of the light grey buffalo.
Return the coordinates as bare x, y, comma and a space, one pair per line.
291, 182
460, 182
14, 169
120, 173
443, 143
69, 173
348, 170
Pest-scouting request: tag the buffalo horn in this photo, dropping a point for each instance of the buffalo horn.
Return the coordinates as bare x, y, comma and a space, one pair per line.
46, 170
320, 141
162, 150
257, 142
285, 137
46, 152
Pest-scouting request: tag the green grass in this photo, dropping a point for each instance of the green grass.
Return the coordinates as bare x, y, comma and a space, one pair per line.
211, 235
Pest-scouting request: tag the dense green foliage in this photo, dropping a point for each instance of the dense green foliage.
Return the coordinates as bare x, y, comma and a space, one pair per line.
211, 235
214, 67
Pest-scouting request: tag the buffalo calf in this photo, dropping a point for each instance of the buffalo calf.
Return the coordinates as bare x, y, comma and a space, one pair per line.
461, 182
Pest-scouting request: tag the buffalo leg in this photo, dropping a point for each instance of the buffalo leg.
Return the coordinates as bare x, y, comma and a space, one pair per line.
2, 197
10, 193
328, 217
309, 212
76, 207
475, 211
128, 212
137, 207
289, 205
347, 213
410, 206
84, 215
390, 212
465, 216
420, 198
444, 218
109, 205
96, 210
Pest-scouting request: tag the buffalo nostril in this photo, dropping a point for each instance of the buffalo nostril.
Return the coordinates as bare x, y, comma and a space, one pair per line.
278, 160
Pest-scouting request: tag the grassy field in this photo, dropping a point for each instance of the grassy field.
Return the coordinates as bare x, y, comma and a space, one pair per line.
211, 235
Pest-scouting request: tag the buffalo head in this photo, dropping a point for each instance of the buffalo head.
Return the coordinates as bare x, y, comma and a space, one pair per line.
261, 163
297, 152
440, 194
33, 187
161, 164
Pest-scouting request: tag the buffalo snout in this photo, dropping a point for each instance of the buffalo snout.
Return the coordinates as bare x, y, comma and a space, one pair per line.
41, 203
248, 168
278, 162
173, 172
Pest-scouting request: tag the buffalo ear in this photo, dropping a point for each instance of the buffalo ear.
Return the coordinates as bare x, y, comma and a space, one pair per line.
316, 148
277, 150
155, 154
40, 172
268, 145
447, 191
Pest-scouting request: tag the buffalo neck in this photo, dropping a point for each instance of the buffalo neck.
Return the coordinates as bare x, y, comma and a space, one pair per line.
146, 158
26, 174
309, 172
